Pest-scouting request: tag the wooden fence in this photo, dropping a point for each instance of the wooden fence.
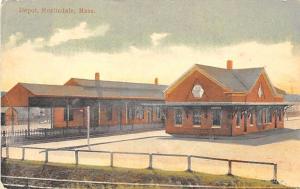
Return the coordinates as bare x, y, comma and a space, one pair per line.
150, 158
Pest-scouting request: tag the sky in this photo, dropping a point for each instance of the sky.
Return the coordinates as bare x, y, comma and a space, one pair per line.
136, 41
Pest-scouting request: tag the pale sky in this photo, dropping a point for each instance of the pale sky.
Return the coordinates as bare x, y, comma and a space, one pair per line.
139, 40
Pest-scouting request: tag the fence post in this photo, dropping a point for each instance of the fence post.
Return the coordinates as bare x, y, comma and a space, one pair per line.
150, 161
189, 162
46, 156
76, 157
111, 159
274, 180
229, 168
23, 153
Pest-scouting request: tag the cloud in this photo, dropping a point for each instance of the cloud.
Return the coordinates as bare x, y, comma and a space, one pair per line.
14, 39
25, 63
156, 38
80, 31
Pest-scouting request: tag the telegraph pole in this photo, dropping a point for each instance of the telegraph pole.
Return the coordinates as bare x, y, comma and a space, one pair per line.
88, 127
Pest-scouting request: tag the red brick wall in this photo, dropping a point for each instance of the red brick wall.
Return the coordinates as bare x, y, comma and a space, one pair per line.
252, 96
17, 96
79, 116
228, 118
182, 92
11, 115
214, 92
206, 127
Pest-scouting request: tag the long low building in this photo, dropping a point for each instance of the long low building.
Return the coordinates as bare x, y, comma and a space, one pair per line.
102, 103
205, 100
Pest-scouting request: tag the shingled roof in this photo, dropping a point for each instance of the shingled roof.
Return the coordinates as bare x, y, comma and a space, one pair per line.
237, 80
234, 80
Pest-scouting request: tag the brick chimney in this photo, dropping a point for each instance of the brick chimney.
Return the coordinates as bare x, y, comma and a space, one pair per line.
156, 81
97, 76
229, 64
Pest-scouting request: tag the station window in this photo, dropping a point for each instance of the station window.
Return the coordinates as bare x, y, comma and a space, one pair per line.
259, 117
128, 113
139, 112
158, 112
238, 118
251, 118
178, 117
70, 114
216, 114
268, 116
109, 112
197, 118
280, 115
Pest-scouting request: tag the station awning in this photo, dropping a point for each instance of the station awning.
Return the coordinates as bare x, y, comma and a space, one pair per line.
176, 104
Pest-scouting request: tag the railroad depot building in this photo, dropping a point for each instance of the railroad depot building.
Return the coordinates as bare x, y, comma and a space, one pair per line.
110, 103
205, 100
215, 101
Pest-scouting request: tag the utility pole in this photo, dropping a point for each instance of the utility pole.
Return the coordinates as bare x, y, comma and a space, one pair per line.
88, 126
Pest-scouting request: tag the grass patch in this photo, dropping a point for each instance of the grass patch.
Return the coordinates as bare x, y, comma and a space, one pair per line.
101, 173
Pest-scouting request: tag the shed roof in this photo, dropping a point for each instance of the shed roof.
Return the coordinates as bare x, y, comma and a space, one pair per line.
292, 98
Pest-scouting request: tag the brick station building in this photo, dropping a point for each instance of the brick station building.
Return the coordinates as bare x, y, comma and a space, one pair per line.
203, 101
208, 100
110, 103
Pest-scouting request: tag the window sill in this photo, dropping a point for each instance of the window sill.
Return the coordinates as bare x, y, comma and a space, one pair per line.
197, 126
178, 125
238, 127
216, 126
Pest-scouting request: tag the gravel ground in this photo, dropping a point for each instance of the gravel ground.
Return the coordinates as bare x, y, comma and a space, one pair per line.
279, 146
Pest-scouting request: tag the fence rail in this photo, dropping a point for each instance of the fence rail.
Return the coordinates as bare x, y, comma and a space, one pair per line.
150, 158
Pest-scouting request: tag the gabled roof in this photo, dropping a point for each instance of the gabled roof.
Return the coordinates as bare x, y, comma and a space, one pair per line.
237, 80
234, 80
99, 89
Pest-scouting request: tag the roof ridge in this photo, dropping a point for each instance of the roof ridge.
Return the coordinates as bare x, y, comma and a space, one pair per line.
120, 82
22, 83
231, 69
